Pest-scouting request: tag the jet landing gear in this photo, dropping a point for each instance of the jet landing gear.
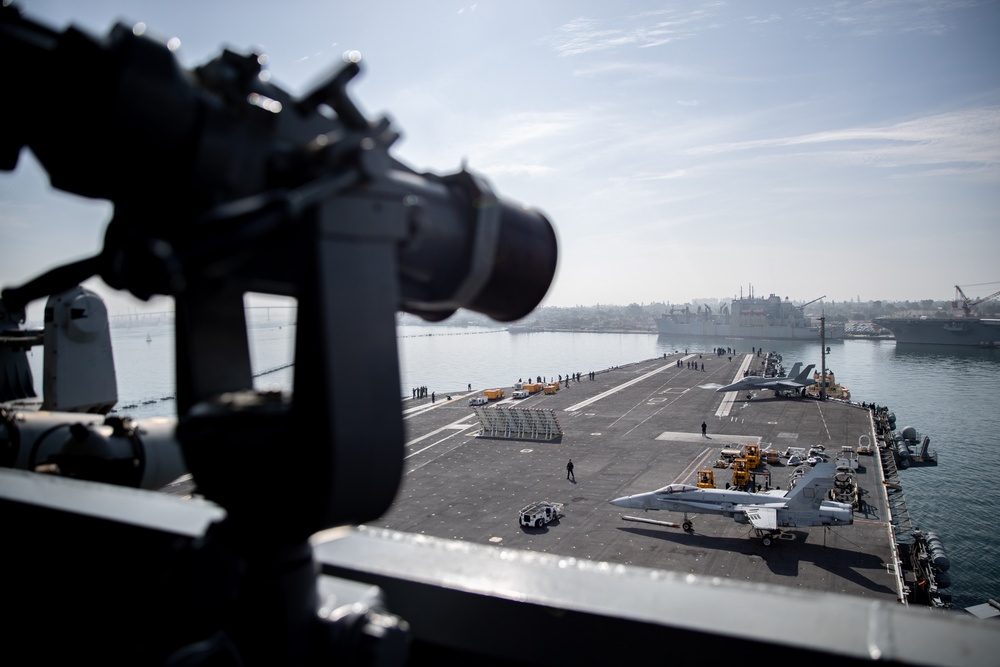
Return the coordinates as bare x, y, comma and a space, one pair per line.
687, 525
767, 537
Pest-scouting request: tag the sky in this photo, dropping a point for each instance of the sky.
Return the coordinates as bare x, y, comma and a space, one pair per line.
682, 150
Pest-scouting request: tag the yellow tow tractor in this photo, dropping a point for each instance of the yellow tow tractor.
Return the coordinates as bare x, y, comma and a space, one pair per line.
706, 478
752, 454
741, 472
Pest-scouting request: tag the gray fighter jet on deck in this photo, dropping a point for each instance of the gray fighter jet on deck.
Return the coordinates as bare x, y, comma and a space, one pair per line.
767, 511
793, 383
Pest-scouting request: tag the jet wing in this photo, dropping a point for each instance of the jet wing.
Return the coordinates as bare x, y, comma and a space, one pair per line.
764, 518
785, 385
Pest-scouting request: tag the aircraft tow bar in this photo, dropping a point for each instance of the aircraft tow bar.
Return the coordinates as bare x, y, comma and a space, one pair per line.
640, 519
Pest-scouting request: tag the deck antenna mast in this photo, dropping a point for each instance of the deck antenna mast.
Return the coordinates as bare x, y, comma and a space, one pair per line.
822, 362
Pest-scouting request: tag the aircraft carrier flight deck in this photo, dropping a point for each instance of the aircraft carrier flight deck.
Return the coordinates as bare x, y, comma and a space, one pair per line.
633, 429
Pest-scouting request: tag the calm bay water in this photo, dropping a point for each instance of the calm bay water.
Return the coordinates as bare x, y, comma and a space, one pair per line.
945, 393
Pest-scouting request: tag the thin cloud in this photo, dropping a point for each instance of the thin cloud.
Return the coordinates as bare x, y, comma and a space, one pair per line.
529, 131
655, 28
757, 20
519, 169
970, 137
587, 35
642, 71
664, 176
868, 18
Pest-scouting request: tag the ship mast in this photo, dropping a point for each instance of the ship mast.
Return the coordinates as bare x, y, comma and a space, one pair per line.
822, 360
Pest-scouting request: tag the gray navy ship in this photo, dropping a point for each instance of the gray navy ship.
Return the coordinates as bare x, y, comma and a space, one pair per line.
752, 317
970, 332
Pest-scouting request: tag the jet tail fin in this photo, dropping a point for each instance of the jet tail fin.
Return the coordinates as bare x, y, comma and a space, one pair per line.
810, 490
795, 369
804, 375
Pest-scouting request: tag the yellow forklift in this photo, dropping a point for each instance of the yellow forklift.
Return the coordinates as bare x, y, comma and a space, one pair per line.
741, 472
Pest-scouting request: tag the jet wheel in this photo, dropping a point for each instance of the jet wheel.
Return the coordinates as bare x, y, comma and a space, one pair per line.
767, 540
687, 526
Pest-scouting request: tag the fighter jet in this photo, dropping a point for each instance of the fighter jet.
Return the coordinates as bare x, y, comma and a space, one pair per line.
794, 382
767, 511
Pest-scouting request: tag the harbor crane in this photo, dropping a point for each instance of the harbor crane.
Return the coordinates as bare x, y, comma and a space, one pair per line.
807, 303
967, 303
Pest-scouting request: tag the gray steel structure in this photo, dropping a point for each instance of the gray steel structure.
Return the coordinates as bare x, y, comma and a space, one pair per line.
968, 332
748, 317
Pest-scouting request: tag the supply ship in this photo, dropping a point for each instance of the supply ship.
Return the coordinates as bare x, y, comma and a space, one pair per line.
752, 317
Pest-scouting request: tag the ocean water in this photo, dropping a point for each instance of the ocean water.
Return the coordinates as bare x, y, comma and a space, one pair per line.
946, 393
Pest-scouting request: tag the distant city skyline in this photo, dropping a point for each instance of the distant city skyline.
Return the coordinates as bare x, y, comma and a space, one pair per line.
680, 149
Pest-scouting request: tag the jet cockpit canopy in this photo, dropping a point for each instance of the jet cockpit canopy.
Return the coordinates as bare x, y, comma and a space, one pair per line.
676, 488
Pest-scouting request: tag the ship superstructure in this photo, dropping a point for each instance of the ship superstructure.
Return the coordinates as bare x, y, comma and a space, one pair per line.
769, 318
968, 330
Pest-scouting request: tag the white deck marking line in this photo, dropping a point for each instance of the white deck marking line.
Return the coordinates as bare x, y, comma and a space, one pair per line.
418, 409
433, 444
730, 397
696, 464
826, 427
727, 404
615, 390
455, 425
653, 414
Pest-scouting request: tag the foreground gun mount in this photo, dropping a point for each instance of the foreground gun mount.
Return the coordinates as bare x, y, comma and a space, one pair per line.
223, 184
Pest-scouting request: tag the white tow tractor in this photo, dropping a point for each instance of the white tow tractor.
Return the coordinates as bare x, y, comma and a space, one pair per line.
537, 515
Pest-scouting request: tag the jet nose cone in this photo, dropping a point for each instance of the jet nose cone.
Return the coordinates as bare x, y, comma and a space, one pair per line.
624, 501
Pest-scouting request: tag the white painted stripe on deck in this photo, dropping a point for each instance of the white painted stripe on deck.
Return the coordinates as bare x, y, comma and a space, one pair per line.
730, 396
456, 425
615, 390
424, 407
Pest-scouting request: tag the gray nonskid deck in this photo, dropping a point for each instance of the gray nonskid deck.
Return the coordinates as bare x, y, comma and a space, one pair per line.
636, 428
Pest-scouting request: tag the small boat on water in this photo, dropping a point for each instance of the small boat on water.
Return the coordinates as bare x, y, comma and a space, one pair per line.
833, 390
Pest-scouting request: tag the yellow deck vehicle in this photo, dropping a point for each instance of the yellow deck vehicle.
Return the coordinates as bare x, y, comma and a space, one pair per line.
741, 472
706, 478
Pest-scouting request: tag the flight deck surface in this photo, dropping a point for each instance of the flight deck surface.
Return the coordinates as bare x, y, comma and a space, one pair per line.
633, 429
